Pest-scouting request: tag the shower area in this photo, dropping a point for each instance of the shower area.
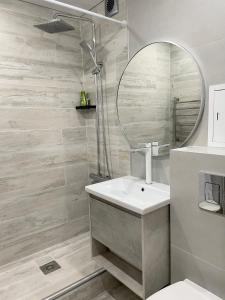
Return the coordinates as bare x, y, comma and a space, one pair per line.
49, 150
58, 25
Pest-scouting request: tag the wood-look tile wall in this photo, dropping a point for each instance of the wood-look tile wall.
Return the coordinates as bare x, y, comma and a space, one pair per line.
144, 96
186, 86
43, 149
112, 50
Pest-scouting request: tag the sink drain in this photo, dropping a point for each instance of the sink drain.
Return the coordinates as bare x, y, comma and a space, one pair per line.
50, 267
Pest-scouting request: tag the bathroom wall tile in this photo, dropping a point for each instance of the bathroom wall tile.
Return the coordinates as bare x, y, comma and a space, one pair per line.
16, 95
39, 50
13, 141
112, 50
194, 230
28, 10
32, 243
42, 136
58, 70
23, 16
27, 119
186, 86
74, 135
33, 182
22, 162
53, 216
161, 169
76, 172
66, 198
55, 207
197, 236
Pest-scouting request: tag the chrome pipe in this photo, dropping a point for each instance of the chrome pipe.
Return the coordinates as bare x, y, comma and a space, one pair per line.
56, 15
97, 124
75, 285
84, 11
103, 124
94, 57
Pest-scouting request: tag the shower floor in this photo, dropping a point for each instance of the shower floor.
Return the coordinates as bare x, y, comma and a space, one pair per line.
23, 279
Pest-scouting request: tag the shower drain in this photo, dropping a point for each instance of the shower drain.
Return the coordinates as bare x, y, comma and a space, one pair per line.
50, 267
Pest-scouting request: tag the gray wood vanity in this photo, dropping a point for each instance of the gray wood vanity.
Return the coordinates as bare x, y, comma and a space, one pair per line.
133, 247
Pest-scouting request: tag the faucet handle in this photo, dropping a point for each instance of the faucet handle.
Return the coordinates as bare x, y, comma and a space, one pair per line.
138, 149
156, 147
145, 145
142, 147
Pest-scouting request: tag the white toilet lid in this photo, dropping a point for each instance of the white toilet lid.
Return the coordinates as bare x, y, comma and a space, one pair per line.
184, 290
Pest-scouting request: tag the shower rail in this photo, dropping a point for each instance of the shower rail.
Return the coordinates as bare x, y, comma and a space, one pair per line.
84, 11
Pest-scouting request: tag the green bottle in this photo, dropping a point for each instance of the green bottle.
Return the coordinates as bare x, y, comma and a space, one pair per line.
83, 99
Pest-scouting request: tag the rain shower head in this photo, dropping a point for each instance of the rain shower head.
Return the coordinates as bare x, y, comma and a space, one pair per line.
86, 47
55, 26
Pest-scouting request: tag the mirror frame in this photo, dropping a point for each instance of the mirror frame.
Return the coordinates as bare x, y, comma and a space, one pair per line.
202, 107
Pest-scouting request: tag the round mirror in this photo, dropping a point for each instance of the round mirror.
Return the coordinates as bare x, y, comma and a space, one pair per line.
160, 96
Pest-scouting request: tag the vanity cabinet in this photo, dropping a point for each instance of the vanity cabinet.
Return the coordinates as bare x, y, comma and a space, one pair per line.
134, 248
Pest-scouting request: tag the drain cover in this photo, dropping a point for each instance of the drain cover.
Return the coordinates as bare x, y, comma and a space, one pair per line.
50, 267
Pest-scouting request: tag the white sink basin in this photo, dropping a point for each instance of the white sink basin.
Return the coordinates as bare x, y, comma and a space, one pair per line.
132, 193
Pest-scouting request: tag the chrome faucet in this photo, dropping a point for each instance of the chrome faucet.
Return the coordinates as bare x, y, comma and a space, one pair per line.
150, 149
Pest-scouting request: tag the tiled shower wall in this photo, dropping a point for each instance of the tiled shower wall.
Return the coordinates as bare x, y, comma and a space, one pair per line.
112, 51
43, 153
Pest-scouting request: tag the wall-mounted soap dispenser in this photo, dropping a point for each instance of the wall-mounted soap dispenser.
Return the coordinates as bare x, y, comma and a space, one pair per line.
212, 192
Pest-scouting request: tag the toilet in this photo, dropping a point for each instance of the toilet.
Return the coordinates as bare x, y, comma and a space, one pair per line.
184, 290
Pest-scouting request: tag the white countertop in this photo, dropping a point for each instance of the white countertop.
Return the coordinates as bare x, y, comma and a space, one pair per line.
132, 193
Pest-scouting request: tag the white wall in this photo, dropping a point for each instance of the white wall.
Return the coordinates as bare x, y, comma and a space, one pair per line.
198, 25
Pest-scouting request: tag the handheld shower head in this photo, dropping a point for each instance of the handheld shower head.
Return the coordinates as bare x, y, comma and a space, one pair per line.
91, 51
55, 26
87, 47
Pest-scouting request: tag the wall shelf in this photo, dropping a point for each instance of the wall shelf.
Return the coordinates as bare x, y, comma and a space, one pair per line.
87, 107
106, 261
